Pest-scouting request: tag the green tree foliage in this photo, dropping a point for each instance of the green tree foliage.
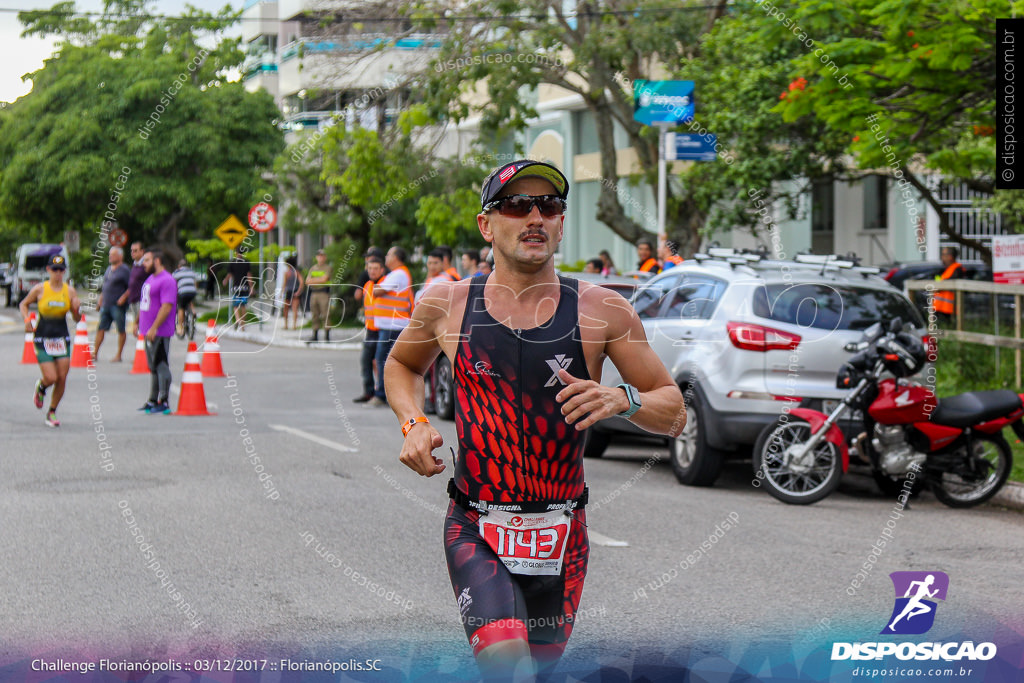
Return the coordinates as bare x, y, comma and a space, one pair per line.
593, 49
744, 63
923, 89
133, 116
379, 187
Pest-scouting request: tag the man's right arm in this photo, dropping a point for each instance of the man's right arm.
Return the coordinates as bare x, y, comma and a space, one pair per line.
411, 357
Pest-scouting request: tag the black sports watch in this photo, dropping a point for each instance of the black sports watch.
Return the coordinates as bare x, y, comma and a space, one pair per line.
634, 400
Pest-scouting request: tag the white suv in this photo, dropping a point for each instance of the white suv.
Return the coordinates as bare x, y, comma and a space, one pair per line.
742, 334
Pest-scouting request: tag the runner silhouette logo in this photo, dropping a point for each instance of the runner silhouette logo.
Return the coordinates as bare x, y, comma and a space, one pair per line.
916, 595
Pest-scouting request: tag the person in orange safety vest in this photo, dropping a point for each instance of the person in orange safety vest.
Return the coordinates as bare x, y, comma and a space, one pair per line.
645, 255
944, 300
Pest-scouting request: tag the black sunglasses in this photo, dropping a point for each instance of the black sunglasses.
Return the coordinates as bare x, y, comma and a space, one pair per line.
520, 205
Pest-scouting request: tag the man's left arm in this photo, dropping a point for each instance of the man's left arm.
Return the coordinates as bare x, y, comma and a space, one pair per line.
161, 316
586, 402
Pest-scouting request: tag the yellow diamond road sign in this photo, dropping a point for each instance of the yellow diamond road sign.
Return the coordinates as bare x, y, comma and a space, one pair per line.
231, 232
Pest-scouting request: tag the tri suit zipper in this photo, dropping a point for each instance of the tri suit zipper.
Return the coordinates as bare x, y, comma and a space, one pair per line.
522, 405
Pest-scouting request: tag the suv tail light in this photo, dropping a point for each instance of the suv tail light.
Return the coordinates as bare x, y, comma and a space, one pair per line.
888, 276
760, 338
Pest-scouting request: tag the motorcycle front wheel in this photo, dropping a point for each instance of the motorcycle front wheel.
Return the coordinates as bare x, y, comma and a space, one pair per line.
788, 476
963, 479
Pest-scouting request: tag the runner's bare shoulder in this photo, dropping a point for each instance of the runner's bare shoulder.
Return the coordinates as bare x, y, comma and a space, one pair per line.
601, 303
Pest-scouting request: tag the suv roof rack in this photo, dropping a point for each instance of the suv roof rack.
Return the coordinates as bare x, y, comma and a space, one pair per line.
749, 257
734, 257
849, 261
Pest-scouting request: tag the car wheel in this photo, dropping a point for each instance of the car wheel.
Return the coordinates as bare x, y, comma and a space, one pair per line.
597, 443
444, 389
694, 462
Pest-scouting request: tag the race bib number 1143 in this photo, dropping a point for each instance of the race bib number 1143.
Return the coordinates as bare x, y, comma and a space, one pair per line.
527, 543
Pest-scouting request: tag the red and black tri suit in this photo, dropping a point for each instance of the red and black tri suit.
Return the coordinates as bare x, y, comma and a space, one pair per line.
515, 446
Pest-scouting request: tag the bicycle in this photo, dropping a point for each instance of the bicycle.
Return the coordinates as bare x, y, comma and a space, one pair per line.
188, 327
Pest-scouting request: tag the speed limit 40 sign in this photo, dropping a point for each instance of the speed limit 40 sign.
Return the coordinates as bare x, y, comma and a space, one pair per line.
262, 217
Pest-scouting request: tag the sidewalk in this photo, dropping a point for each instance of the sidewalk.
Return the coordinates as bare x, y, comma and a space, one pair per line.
273, 333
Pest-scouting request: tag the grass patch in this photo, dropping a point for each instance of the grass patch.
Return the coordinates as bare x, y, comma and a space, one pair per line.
963, 366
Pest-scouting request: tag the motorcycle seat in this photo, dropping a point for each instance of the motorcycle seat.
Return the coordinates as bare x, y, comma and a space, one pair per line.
974, 407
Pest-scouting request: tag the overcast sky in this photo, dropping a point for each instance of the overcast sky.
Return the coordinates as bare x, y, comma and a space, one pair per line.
19, 56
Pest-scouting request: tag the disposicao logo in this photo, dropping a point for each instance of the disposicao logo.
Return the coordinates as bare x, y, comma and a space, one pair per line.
916, 593
913, 614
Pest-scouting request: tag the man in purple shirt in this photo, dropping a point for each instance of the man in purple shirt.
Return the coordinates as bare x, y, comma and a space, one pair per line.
159, 299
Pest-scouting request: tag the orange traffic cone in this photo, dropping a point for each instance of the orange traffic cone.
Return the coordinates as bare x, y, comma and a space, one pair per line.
81, 353
192, 399
211, 354
28, 355
141, 364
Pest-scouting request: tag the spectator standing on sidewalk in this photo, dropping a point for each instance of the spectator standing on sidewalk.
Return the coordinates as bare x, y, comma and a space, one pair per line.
318, 284
364, 277
375, 270
113, 301
446, 263
668, 255
135, 280
646, 262
609, 265
156, 320
944, 300
471, 262
393, 302
293, 283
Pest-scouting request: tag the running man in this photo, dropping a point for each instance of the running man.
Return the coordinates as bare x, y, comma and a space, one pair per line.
527, 348
240, 277
914, 606
54, 298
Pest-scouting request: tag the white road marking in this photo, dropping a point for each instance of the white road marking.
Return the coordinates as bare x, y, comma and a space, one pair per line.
315, 439
601, 539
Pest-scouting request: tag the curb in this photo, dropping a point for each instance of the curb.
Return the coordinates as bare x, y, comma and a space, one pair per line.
1011, 496
273, 340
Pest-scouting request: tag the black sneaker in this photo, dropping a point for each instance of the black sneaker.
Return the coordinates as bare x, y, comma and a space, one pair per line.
145, 408
159, 409
362, 399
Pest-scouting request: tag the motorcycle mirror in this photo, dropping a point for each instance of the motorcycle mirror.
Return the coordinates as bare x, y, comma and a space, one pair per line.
873, 332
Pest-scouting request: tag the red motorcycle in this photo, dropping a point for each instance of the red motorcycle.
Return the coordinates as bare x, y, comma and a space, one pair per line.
900, 429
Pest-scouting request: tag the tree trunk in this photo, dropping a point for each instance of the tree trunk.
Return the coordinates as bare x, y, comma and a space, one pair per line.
944, 227
168, 232
609, 208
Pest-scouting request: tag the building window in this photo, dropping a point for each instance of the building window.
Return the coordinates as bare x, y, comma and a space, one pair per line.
823, 204
876, 203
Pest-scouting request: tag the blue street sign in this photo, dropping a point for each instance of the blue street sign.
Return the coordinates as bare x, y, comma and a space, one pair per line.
690, 147
662, 101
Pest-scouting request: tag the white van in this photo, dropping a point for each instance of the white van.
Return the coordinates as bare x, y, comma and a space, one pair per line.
30, 267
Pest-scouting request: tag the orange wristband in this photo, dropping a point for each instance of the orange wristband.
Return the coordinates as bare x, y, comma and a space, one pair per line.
412, 423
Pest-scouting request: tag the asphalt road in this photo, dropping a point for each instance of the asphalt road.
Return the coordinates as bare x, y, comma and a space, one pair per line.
228, 565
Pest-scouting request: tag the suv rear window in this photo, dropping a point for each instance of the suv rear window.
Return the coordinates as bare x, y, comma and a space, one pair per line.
832, 307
